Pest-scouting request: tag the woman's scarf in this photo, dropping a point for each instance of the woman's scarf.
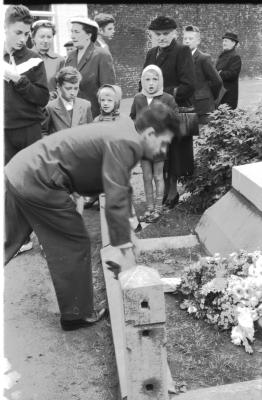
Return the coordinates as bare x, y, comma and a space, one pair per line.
159, 91
115, 114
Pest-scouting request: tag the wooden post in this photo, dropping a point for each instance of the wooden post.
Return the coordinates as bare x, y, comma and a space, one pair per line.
144, 318
138, 327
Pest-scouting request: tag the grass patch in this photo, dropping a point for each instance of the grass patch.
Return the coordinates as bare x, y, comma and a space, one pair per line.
199, 355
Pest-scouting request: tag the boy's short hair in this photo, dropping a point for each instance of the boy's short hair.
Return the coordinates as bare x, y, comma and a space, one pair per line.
103, 19
18, 13
68, 74
159, 116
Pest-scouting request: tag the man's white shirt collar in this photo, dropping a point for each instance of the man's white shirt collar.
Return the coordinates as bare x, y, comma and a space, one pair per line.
69, 105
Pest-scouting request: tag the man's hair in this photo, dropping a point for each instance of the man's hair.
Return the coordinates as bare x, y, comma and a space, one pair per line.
42, 24
68, 74
103, 19
18, 13
192, 28
158, 116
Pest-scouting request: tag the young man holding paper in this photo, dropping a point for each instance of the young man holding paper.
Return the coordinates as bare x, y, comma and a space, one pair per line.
25, 84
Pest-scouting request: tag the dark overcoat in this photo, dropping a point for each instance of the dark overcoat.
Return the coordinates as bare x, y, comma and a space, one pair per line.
207, 83
177, 67
229, 66
96, 67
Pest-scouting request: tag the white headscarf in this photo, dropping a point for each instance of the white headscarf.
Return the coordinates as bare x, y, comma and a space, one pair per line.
156, 69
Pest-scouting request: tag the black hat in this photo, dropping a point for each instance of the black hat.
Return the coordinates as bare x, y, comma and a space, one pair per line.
231, 36
68, 44
162, 23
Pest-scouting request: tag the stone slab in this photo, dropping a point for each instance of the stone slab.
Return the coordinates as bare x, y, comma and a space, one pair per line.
247, 180
168, 242
250, 390
231, 224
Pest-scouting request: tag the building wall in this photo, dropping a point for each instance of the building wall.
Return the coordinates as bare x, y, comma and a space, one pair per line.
131, 41
63, 12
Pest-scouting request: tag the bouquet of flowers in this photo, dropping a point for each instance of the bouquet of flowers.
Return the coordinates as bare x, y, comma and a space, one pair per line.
226, 292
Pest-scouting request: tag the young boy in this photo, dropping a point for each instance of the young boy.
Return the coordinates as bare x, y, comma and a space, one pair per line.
106, 23
67, 110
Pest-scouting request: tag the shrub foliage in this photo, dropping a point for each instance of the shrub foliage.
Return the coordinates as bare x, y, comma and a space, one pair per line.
232, 137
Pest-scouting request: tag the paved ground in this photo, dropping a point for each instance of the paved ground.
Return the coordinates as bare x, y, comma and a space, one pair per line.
51, 364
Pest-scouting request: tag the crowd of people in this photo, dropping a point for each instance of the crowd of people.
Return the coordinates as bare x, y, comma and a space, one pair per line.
65, 138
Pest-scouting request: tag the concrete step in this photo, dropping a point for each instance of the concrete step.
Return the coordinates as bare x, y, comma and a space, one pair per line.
250, 390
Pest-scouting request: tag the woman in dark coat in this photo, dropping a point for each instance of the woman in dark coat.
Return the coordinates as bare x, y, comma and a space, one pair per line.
94, 63
176, 62
229, 66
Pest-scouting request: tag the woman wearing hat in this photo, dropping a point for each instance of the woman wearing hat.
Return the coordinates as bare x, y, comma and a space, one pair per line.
229, 66
94, 63
176, 62
42, 32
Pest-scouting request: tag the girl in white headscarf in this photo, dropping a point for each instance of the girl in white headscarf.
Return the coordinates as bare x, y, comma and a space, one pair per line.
152, 89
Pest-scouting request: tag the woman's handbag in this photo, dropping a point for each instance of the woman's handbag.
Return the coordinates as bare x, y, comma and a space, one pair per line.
188, 125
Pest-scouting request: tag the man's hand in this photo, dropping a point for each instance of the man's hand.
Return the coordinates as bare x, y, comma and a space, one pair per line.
129, 258
10, 74
119, 259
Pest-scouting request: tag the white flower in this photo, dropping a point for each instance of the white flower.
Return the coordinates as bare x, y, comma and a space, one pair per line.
191, 309
236, 335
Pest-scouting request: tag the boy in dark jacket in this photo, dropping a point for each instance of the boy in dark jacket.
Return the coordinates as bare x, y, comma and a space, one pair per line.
25, 87
25, 84
207, 80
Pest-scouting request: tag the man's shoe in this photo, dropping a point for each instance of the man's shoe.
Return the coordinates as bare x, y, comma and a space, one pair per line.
72, 325
25, 247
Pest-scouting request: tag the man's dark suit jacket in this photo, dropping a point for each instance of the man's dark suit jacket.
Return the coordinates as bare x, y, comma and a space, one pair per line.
177, 67
229, 67
207, 83
87, 159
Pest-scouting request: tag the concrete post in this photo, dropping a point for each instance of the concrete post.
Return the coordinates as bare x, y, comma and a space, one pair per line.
144, 319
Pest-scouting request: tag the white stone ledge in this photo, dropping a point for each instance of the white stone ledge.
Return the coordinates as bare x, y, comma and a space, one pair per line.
247, 180
169, 242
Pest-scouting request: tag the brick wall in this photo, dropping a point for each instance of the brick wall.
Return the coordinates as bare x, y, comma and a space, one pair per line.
132, 41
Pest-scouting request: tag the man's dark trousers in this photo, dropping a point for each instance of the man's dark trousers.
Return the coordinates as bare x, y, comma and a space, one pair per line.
61, 232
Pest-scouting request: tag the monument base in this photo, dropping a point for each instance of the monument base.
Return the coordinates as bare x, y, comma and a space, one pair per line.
231, 224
